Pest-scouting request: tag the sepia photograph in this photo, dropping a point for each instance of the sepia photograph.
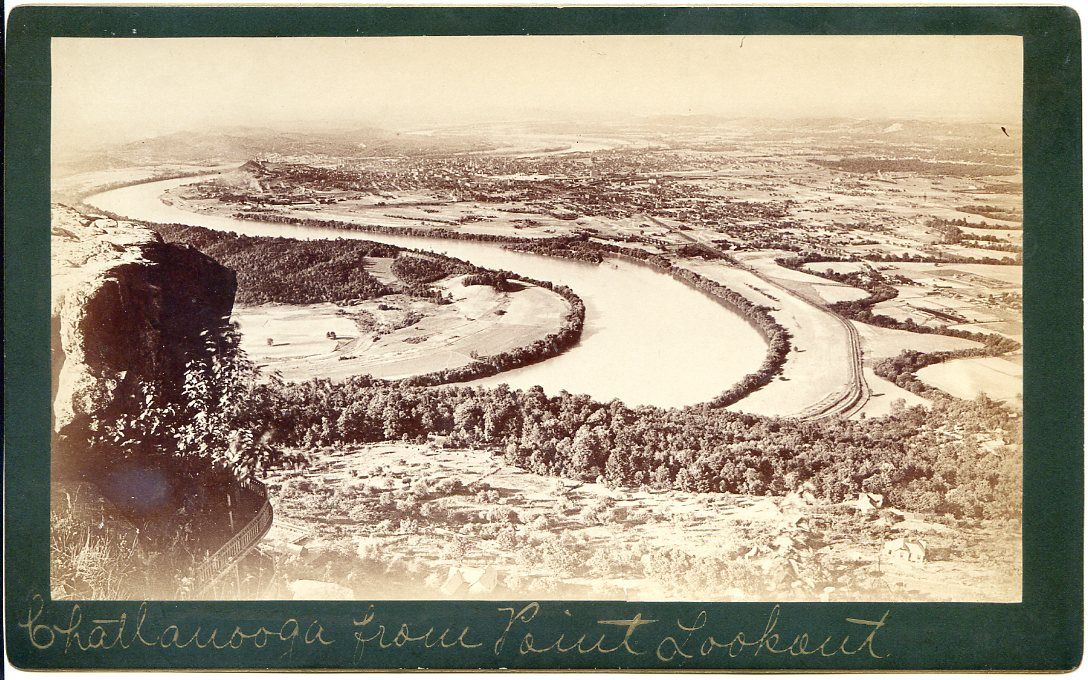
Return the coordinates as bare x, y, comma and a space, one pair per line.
646, 318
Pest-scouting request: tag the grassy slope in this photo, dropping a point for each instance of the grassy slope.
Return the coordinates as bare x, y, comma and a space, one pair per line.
390, 520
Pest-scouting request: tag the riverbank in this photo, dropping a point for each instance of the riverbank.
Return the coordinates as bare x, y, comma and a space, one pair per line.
986, 362
642, 329
531, 334
75, 188
756, 316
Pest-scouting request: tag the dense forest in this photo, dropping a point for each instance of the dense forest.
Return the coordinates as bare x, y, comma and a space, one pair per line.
963, 222
994, 212
498, 280
914, 456
421, 270
1017, 258
289, 271
568, 247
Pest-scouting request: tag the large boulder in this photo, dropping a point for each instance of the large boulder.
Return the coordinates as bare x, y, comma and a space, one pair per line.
126, 307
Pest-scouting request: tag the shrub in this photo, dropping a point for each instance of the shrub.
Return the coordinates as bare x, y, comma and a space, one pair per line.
94, 558
217, 420
449, 486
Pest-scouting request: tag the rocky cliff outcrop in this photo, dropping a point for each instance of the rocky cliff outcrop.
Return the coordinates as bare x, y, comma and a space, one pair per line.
126, 307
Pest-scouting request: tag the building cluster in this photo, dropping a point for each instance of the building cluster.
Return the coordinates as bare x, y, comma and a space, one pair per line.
743, 202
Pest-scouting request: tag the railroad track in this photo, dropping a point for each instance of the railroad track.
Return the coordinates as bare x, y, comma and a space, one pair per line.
853, 396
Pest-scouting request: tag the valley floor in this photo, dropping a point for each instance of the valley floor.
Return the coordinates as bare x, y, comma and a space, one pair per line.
397, 336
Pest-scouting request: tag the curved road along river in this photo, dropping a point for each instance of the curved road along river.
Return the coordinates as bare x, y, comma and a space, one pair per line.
849, 399
648, 339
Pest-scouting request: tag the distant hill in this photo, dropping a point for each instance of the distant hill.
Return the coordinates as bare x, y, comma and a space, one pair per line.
227, 145
948, 140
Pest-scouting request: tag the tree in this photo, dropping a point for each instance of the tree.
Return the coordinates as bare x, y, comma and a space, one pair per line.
217, 421
587, 451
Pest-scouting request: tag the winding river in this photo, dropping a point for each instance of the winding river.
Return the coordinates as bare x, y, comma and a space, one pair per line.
648, 339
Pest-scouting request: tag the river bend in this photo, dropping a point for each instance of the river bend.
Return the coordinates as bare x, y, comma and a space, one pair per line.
648, 339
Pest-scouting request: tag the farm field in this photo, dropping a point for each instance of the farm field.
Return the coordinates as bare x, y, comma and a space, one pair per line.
396, 336
1000, 378
885, 396
972, 297
878, 342
387, 521
396, 209
1013, 235
968, 296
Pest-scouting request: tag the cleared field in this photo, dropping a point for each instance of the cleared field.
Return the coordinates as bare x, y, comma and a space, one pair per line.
883, 396
977, 298
1012, 235
1010, 329
913, 302
381, 268
837, 267
1000, 378
878, 343
803, 282
972, 252
415, 521
372, 211
936, 310
997, 276
409, 337
833, 292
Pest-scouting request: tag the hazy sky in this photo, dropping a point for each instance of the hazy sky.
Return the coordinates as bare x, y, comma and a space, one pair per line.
109, 89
